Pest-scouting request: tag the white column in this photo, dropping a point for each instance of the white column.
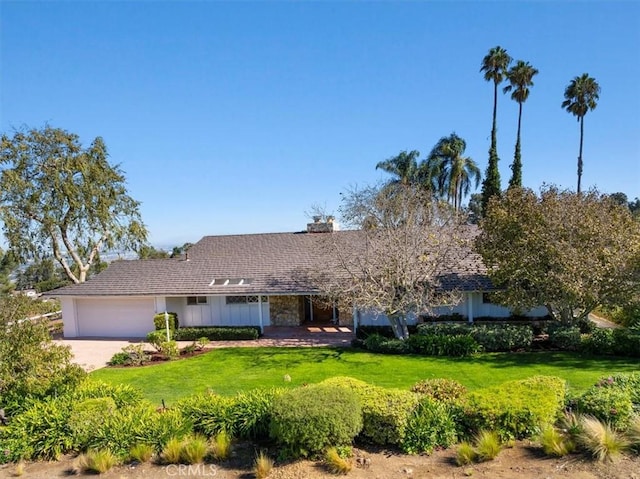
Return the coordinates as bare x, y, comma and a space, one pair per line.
260, 313
355, 319
470, 308
310, 309
334, 314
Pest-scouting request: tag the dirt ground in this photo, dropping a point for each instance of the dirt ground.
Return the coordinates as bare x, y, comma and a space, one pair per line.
523, 460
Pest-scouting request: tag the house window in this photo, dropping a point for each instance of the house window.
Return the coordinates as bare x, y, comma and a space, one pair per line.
194, 300
245, 299
486, 298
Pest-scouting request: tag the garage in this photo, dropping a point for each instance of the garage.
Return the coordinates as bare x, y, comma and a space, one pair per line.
114, 317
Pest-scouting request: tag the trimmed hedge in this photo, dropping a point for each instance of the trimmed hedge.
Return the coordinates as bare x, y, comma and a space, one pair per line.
440, 389
616, 342
218, 333
516, 409
309, 419
385, 412
160, 323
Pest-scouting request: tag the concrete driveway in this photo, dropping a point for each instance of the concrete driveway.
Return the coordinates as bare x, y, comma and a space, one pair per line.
94, 353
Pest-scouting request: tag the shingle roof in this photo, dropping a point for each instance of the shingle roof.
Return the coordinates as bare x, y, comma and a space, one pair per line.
270, 263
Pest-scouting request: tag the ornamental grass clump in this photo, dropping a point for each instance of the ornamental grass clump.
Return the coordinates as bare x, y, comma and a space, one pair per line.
97, 461
555, 443
336, 463
488, 445
600, 439
194, 449
633, 433
172, 451
221, 446
141, 452
465, 454
262, 465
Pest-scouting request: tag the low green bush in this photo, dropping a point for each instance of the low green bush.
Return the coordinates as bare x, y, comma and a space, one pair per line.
209, 413
87, 416
160, 323
40, 432
250, 413
455, 345
364, 331
617, 342
628, 381
515, 409
440, 389
218, 333
385, 411
122, 394
381, 344
567, 338
132, 425
609, 403
120, 359
445, 329
503, 337
599, 341
309, 419
430, 425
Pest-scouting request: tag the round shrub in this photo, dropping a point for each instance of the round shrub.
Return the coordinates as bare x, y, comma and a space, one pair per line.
431, 425
309, 419
600, 341
566, 338
440, 389
608, 403
385, 412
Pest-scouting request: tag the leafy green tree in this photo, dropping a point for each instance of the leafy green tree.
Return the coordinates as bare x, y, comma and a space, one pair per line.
454, 172
62, 200
520, 78
7, 265
149, 252
32, 366
494, 65
580, 96
569, 252
179, 250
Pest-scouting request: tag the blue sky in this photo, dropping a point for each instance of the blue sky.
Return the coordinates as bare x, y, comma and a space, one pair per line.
236, 117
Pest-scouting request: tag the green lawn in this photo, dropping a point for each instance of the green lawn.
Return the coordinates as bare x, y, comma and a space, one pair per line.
229, 370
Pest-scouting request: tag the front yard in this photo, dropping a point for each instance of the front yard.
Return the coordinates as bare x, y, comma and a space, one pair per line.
229, 370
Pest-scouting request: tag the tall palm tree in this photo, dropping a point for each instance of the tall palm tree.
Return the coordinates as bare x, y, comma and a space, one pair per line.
454, 171
520, 78
494, 65
580, 96
406, 170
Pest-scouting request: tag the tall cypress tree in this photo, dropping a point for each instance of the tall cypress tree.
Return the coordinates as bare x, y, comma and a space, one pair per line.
494, 66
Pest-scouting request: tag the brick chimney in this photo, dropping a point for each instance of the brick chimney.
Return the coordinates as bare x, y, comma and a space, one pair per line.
319, 226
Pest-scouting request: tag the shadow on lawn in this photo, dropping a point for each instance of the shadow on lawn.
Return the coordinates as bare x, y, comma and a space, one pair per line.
287, 357
565, 360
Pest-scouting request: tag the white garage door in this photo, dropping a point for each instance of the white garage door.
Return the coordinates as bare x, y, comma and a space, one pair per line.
115, 317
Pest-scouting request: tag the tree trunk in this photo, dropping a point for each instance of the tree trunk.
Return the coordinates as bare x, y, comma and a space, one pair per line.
399, 326
580, 153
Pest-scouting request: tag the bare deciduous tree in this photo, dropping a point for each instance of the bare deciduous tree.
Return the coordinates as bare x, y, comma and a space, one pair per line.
401, 258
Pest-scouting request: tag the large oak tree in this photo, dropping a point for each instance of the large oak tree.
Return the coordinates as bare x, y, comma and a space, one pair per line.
567, 251
60, 199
